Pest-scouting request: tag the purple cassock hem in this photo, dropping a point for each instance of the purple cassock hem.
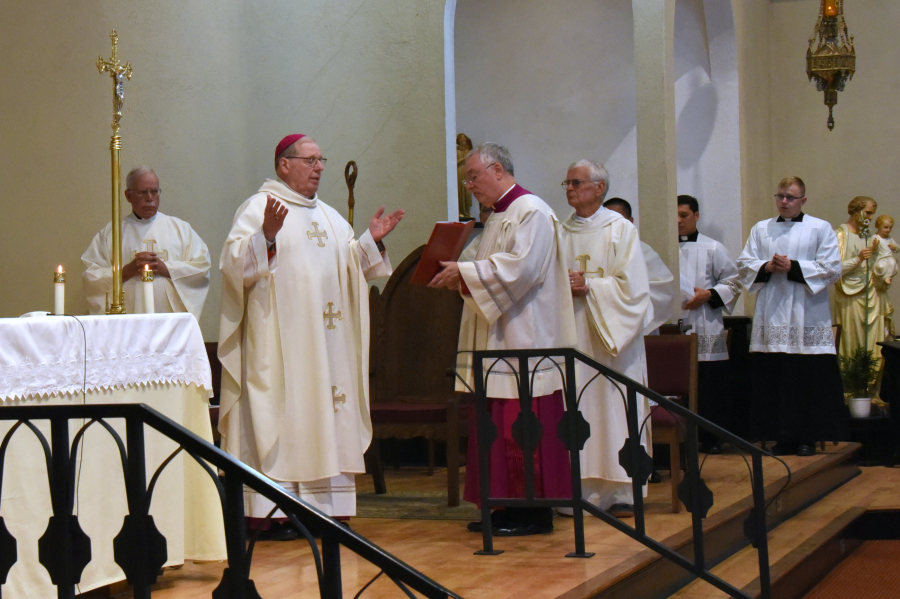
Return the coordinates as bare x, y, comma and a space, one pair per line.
517, 191
552, 474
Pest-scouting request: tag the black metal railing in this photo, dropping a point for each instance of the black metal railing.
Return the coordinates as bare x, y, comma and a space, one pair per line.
139, 548
573, 431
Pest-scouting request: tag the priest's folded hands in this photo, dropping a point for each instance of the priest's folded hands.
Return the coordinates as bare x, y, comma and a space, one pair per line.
578, 284
142, 259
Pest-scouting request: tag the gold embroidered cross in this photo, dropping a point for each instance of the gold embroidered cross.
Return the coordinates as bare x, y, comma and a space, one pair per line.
582, 260
318, 235
150, 244
330, 315
342, 398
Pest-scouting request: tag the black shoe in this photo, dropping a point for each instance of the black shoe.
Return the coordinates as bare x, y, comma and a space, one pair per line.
655, 477
279, 531
805, 451
498, 518
621, 510
784, 449
522, 530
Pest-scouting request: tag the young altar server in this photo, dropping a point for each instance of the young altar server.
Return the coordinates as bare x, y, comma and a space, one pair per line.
611, 293
169, 246
790, 261
710, 289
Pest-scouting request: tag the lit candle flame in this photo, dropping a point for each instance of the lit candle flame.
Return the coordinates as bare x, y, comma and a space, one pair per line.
146, 267
830, 9
60, 269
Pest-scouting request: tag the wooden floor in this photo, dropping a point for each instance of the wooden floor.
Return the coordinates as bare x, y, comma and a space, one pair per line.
531, 567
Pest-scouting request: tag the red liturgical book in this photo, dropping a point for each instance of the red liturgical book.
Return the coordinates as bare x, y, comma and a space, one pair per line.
446, 243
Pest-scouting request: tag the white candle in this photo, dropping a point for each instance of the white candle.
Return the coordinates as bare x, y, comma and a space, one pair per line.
59, 291
147, 283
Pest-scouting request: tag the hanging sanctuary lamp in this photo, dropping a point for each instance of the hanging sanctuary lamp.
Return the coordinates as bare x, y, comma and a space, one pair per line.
831, 59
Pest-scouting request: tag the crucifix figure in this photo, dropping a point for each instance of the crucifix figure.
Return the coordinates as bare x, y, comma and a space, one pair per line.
119, 72
342, 398
318, 235
330, 315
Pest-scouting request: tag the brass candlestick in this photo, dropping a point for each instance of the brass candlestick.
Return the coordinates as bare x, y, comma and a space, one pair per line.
119, 73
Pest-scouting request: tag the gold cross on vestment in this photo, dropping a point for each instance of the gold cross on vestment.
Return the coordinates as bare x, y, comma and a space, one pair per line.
582, 260
342, 398
330, 315
318, 235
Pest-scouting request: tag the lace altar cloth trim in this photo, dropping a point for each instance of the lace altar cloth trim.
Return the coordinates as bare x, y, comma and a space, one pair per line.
45, 355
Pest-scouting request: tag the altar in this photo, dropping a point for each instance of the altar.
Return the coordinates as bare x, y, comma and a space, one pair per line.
158, 360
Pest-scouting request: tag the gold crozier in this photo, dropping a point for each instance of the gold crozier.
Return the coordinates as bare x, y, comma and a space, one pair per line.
318, 235
583, 260
330, 315
342, 398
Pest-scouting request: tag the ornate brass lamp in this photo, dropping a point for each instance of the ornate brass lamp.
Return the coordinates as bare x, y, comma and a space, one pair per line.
831, 59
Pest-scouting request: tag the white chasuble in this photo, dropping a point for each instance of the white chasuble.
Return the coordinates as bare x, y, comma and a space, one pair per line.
176, 244
705, 264
662, 288
791, 317
610, 322
294, 346
520, 296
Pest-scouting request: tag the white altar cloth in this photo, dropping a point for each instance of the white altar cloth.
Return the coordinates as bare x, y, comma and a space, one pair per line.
159, 360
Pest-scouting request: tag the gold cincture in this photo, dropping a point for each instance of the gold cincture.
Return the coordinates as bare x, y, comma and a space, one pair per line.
330, 315
342, 398
318, 235
119, 73
831, 59
583, 261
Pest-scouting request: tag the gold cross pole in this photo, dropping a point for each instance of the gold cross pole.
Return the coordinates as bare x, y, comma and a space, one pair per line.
119, 73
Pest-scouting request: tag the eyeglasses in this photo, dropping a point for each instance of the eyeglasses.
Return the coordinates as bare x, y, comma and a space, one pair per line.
575, 183
310, 161
471, 180
781, 196
147, 193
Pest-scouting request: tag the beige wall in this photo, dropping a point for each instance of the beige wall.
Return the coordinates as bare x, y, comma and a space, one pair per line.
215, 86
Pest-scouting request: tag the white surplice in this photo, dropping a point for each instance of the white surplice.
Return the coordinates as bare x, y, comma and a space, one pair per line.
294, 346
707, 265
662, 288
520, 297
176, 244
791, 317
610, 322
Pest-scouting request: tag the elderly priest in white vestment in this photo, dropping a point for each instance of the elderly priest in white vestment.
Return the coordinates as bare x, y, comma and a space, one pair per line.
662, 283
294, 336
710, 289
608, 279
516, 296
167, 245
790, 261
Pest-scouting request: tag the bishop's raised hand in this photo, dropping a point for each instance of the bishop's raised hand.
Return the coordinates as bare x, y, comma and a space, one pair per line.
273, 218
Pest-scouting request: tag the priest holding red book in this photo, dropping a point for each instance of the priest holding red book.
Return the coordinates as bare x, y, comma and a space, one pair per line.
516, 293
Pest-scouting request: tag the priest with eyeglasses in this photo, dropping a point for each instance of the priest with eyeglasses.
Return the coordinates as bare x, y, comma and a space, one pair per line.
164, 244
294, 337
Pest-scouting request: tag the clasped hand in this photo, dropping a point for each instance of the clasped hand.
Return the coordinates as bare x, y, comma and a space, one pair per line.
778, 263
578, 284
142, 259
701, 296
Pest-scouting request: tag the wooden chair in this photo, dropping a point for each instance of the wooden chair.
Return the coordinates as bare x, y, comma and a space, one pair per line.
415, 332
672, 372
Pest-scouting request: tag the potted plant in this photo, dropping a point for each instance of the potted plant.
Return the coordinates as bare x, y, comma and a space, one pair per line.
859, 373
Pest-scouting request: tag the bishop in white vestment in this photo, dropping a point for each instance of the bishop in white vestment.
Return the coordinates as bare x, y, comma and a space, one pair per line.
790, 262
517, 296
711, 275
612, 308
166, 245
294, 336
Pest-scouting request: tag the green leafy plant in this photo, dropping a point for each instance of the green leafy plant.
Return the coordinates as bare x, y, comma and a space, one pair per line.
859, 373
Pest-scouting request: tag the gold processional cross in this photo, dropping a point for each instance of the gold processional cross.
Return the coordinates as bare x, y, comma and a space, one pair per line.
119, 73
342, 398
318, 235
582, 260
330, 315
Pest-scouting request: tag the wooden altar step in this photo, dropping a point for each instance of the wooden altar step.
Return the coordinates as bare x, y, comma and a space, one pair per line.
808, 546
536, 567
